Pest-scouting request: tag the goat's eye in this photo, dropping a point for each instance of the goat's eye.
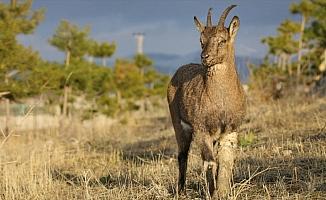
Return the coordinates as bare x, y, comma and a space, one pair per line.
221, 43
201, 43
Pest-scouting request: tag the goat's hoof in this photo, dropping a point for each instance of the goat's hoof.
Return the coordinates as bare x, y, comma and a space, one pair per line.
210, 174
181, 190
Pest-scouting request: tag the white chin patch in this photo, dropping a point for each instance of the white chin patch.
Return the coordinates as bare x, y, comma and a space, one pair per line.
186, 127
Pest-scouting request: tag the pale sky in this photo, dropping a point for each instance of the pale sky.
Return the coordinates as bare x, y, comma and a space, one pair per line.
168, 24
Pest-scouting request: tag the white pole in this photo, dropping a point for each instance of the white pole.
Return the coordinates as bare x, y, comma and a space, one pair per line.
140, 42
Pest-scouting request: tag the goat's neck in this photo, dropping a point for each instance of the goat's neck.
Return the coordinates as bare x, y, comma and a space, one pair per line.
222, 75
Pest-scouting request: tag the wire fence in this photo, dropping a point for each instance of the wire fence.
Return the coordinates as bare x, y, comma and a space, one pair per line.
28, 117
33, 117
21, 109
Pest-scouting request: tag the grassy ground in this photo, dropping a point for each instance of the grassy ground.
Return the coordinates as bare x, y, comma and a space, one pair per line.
282, 155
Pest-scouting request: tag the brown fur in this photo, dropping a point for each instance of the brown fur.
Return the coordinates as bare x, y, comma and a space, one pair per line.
209, 98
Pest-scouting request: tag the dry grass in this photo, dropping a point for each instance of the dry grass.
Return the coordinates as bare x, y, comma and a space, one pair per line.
134, 158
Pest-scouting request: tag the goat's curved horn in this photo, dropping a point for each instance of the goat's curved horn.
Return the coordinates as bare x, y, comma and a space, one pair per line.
209, 18
224, 15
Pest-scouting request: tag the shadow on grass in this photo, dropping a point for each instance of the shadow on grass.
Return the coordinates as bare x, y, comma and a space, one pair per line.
139, 153
144, 152
321, 136
296, 173
123, 179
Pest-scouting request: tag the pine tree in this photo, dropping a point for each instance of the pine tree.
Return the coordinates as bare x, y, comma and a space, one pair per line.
128, 81
15, 59
17, 18
292, 39
72, 40
283, 46
75, 42
102, 50
305, 8
143, 63
316, 35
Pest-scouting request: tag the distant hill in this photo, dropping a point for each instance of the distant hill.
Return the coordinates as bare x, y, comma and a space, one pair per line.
168, 63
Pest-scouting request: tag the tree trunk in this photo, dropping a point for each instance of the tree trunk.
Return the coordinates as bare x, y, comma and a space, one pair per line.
104, 61
283, 61
65, 100
7, 110
322, 66
13, 3
90, 59
67, 62
289, 66
7, 129
35, 117
303, 22
118, 98
69, 108
279, 61
286, 61
66, 87
275, 58
142, 72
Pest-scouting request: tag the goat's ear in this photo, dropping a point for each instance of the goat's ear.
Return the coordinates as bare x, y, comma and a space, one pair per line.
233, 28
199, 25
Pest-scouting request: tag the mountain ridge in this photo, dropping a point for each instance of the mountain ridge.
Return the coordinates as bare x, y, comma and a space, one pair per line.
169, 63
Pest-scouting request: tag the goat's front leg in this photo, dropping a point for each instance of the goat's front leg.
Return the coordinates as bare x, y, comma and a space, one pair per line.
207, 153
226, 157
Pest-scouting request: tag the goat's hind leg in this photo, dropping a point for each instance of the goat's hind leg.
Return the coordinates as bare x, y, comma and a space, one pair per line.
184, 138
210, 166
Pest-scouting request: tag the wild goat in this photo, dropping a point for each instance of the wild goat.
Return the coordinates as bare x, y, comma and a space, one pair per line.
207, 103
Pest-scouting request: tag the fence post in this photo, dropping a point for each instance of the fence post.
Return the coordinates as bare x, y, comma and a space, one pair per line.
7, 123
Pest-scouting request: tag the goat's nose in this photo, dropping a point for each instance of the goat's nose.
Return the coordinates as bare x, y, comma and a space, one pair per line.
204, 56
